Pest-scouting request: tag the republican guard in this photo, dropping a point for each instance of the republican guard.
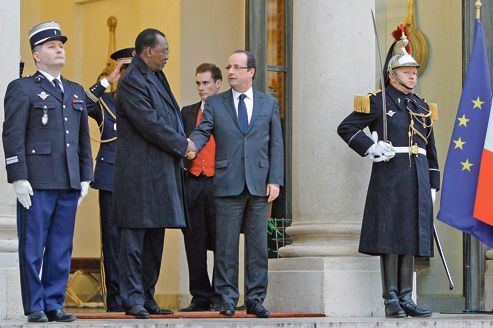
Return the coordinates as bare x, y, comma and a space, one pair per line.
398, 216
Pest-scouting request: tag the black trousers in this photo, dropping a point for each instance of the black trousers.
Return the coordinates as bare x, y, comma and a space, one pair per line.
109, 239
231, 213
140, 262
200, 237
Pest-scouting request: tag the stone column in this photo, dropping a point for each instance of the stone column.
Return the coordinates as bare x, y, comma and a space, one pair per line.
334, 58
10, 293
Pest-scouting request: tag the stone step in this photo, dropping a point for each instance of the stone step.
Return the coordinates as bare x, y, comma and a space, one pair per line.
436, 321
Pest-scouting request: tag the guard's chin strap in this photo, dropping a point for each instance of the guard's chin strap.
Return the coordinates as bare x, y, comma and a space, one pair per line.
399, 80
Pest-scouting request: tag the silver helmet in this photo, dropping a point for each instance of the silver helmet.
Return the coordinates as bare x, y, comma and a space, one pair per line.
400, 56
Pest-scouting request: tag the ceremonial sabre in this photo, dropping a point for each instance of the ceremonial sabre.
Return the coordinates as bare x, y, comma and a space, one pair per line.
382, 82
442, 256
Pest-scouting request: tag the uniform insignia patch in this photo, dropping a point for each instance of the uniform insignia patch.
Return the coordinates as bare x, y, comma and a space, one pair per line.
390, 113
43, 95
12, 160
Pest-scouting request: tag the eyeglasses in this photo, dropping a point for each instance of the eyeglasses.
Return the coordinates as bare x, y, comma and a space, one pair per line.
236, 67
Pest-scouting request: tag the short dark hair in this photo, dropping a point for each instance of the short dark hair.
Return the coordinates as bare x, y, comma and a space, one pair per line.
208, 67
251, 62
146, 38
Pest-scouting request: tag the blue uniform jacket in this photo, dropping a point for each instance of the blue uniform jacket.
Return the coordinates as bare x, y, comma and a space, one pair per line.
104, 114
45, 137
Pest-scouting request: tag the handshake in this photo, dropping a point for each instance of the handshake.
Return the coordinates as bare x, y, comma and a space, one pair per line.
191, 150
380, 150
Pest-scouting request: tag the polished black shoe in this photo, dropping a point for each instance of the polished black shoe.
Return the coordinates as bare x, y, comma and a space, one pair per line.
59, 315
154, 309
215, 307
138, 311
412, 310
38, 316
259, 310
393, 309
196, 307
227, 311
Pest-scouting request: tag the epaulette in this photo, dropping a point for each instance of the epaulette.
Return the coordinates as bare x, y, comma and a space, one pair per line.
433, 108
434, 111
362, 103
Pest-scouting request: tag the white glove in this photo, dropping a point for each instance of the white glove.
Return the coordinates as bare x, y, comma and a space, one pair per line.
84, 189
433, 195
380, 150
23, 191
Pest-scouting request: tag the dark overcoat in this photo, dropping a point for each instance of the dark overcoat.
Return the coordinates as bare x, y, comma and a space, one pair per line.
398, 215
148, 178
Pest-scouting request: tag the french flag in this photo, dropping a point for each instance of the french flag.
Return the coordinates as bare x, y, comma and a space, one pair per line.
483, 206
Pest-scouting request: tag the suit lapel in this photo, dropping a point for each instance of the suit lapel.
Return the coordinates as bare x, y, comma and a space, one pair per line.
48, 86
228, 102
258, 102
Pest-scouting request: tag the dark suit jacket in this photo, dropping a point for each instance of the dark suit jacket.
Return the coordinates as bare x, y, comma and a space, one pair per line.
254, 158
103, 113
148, 178
55, 155
189, 119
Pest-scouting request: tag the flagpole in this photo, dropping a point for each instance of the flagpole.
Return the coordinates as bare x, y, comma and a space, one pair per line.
471, 246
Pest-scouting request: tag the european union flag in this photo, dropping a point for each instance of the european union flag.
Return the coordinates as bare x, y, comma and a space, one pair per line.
460, 177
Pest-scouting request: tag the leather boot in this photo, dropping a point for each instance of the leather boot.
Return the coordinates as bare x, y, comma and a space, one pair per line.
388, 270
406, 269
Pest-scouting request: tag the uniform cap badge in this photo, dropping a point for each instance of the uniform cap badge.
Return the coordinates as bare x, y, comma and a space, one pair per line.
43, 95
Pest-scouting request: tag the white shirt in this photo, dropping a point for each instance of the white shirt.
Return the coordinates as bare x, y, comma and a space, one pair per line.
104, 82
51, 78
248, 100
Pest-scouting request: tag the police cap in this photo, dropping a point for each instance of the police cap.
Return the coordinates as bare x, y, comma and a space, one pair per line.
45, 32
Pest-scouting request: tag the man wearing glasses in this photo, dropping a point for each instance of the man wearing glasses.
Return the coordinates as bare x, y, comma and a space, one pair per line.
148, 194
249, 171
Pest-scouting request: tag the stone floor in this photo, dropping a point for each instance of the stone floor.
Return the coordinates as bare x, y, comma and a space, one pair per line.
436, 321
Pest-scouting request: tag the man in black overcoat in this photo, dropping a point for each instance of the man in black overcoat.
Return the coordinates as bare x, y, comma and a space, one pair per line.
398, 216
148, 193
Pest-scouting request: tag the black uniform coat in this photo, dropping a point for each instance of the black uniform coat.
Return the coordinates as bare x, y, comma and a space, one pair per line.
39, 152
104, 113
148, 178
189, 119
398, 216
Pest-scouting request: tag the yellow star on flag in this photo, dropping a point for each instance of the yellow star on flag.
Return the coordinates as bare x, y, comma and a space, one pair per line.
477, 103
466, 165
463, 120
459, 143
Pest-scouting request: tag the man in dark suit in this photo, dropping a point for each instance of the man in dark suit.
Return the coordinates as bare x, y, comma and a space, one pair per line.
48, 160
200, 200
104, 113
148, 193
249, 171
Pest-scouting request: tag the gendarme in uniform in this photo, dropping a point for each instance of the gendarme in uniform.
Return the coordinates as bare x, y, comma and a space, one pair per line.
48, 158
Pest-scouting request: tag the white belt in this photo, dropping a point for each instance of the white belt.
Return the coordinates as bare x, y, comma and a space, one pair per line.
412, 150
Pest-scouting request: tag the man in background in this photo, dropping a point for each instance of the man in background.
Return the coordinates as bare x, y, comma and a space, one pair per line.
104, 113
201, 234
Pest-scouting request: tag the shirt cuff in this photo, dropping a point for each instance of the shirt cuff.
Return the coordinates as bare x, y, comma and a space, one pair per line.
104, 82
